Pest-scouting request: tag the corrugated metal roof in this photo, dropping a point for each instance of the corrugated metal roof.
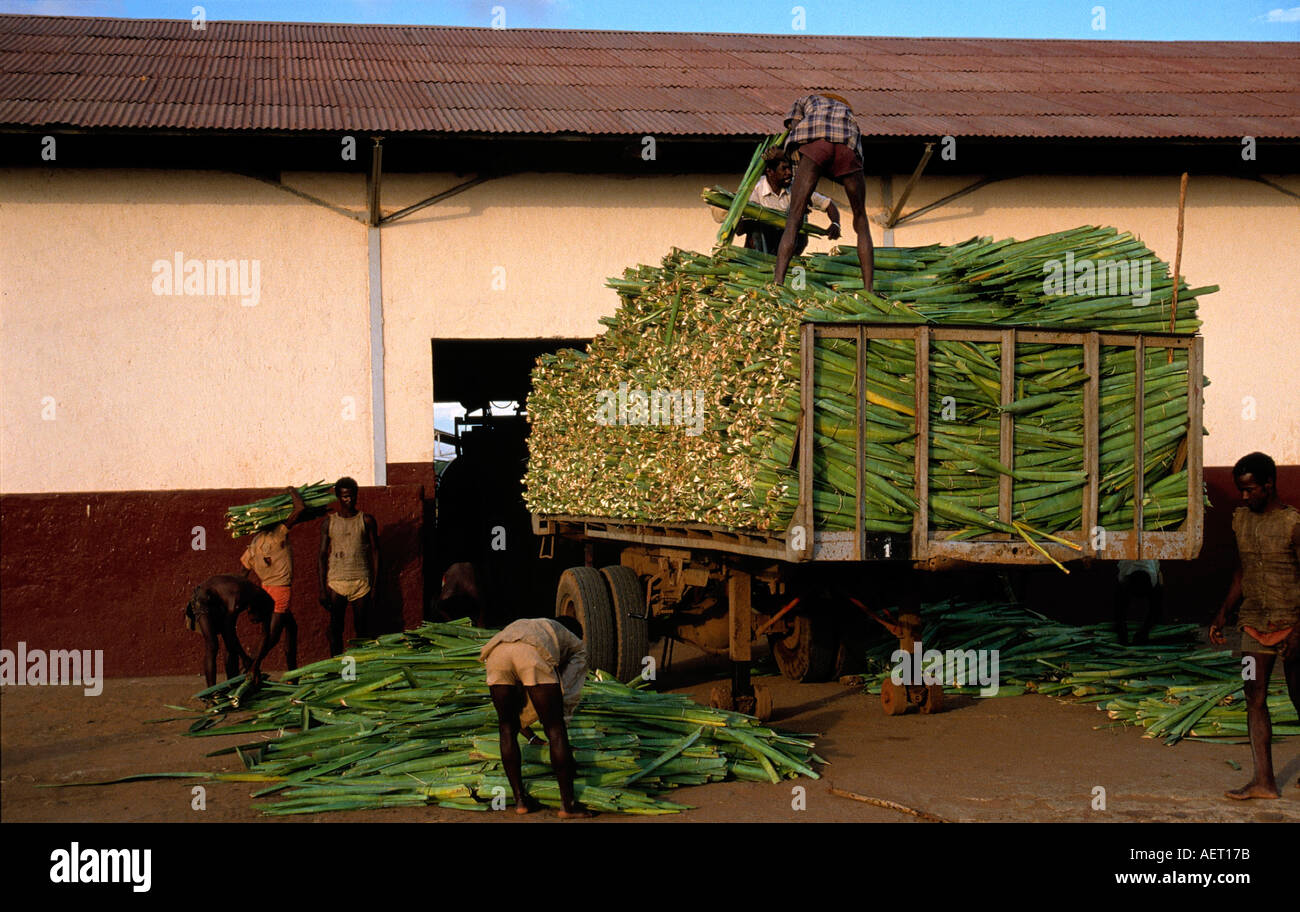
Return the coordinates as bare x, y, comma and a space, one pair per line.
132, 73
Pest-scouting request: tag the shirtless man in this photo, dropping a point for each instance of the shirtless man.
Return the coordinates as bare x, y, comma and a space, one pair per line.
213, 610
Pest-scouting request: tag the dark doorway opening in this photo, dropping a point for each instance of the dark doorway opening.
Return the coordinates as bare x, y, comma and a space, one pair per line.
480, 387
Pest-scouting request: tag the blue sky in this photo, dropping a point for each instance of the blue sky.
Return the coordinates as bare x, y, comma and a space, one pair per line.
1209, 20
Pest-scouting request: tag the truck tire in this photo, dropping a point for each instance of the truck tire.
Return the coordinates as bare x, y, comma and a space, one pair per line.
808, 653
631, 637
582, 594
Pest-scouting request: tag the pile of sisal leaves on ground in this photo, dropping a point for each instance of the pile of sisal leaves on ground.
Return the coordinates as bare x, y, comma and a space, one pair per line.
406, 720
684, 410
1172, 686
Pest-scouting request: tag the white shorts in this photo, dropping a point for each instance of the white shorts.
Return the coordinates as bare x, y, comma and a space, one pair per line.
350, 589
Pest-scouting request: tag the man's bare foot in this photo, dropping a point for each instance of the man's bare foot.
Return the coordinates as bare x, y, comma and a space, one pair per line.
527, 807
1253, 789
577, 813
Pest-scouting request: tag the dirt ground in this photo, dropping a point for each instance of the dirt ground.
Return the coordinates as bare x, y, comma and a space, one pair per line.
1027, 758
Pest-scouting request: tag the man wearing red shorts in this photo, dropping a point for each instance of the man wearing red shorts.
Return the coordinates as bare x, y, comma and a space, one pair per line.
828, 142
1265, 596
271, 558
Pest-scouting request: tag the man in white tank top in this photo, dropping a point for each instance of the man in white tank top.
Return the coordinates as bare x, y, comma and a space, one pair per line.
349, 566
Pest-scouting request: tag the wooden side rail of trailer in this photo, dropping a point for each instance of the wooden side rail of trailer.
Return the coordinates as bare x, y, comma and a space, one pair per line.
720, 588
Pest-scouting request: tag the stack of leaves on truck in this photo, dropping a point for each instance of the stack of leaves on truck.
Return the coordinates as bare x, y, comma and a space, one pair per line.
406, 720
685, 409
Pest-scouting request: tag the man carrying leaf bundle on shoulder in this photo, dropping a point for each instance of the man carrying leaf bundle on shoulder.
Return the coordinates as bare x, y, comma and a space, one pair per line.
1266, 586
826, 138
773, 192
270, 556
537, 666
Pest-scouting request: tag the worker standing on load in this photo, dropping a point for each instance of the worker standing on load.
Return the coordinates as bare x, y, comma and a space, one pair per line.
270, 556
538, 663
349, 566
826, 138
213, 609
1267, 588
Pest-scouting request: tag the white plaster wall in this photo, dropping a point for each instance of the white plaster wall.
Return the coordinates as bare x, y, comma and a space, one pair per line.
156, 392
172, 392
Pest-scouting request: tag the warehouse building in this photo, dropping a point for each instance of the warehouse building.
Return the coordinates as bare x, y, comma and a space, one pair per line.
255, 253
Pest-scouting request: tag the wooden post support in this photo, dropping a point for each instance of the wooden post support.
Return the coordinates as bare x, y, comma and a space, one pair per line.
741, 630
1006, 437
1195, 468
859, 524
921, 459
1139, 440
805, 513
1091, 437
1178, 257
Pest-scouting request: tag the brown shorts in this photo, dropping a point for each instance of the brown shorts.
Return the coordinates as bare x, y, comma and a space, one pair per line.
835, 159
1241, 642
518, 663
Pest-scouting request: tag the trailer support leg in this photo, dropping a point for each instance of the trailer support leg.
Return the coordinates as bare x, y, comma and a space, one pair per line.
738, 595
740, 684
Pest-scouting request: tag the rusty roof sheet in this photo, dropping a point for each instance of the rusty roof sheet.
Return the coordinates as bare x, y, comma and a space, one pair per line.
163, 74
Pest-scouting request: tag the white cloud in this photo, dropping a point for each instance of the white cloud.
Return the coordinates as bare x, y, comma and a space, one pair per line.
1281, 15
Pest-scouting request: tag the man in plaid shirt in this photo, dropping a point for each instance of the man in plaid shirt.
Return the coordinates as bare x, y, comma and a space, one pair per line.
828, 142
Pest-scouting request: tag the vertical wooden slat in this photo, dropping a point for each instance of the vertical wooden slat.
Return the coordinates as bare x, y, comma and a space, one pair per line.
1195, 466
738, 594
921, 482
860, 531
1091, 434
1006, 437
1139, 441
804, 515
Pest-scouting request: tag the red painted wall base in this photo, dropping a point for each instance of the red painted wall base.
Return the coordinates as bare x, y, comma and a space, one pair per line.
113, 571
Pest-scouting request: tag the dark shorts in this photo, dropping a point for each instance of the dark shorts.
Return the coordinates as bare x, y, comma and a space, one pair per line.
202, 606
835, 159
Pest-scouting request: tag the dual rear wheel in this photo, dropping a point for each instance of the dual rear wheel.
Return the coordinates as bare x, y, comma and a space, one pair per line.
610, 606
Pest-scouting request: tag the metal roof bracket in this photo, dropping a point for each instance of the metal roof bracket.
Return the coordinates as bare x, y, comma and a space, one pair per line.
436, 198
892, 218
943, 201
280, 185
